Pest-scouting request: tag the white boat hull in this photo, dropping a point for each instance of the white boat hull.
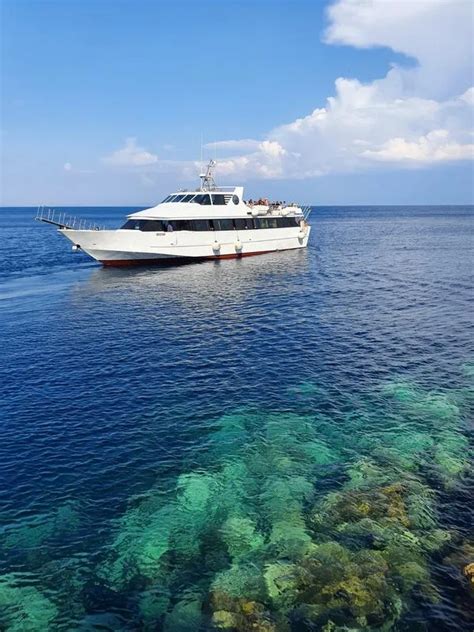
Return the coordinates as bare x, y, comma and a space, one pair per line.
133, 247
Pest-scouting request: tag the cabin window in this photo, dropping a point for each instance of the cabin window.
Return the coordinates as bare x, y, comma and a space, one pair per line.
130, 225
167, 199
266, 222
179, 198
247, 223
235, 199
188, 198
183, 224
200, 224
155, 225
218, 198
203, 198
291, 222
223, 224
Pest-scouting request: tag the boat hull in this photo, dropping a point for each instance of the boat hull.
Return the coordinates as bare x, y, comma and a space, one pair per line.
119, 248
169, 261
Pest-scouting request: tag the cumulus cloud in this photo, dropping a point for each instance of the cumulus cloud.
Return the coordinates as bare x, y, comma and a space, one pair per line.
245, 144
436, 33
436, 146
130, 155
415, 115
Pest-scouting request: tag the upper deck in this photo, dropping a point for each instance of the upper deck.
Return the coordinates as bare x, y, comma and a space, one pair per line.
210, 201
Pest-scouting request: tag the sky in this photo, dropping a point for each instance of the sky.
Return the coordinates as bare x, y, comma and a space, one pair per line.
107, 102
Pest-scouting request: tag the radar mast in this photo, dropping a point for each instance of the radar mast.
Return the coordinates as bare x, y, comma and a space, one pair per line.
207, 178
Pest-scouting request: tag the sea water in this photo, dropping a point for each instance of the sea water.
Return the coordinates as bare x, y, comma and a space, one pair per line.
275, 443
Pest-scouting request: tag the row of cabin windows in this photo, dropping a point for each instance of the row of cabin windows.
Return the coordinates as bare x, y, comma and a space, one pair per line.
202, 198
244, 223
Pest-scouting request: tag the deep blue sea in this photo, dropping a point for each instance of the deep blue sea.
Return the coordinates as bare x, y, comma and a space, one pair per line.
271, 444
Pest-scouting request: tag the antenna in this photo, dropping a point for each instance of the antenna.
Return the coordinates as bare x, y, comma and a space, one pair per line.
200, 166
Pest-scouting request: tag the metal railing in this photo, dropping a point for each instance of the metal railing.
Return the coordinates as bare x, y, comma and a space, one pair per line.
306, 211
65, 221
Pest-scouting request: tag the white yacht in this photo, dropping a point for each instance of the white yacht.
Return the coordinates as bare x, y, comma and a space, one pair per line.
208, 223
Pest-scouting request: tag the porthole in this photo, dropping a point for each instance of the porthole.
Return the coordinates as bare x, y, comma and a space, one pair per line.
235, 199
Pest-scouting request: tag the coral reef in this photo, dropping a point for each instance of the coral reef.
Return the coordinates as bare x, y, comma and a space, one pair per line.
283, 551
289, 519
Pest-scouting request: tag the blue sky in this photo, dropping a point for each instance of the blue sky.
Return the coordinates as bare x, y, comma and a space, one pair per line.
79, 78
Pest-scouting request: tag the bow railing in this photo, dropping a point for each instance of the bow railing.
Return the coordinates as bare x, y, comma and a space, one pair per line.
65, 221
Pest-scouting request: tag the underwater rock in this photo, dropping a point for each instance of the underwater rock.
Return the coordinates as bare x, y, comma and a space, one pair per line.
29, 535
468, 572
282, 497
337, 580
452, 454
139, 546
248, 616
24, 608
232, 432
224, 620
406, 450
436, 539
318, 452
194, 490
281, 580
365, 472
462, 559
290, 537
185, 616
153, 605
240, 536
420, 506
402, 391
435, 408
379, 503
410, 573
240, 580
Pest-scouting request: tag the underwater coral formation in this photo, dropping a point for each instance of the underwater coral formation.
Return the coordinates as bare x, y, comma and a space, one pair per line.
293, 521
261, 547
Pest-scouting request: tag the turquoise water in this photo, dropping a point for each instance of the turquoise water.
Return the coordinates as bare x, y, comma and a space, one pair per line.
278, 443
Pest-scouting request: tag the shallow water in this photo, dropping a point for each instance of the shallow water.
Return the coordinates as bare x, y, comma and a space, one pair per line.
274, 443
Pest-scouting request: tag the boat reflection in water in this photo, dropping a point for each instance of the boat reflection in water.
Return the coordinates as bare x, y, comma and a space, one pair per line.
204, 287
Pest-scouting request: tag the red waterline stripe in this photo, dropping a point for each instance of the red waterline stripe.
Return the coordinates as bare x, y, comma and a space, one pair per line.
122, 263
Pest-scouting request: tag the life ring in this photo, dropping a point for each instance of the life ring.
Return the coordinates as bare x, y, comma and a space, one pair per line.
238, 246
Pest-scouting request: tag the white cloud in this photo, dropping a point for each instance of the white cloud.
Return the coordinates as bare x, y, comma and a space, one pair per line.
131, 155
414, 115
437, 33
436, 146
245, 144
